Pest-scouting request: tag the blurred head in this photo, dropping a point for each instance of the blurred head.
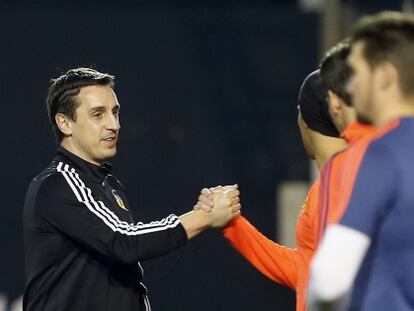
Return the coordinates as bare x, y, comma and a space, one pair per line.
335, 74
84, 113
319, 134
382, 62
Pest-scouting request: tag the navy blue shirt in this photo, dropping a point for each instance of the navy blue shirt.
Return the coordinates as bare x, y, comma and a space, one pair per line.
381, 206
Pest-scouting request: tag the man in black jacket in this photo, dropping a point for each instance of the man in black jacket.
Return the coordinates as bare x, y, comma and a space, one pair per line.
82, 246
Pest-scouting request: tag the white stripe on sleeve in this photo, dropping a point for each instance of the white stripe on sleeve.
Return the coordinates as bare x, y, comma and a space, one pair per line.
84, 195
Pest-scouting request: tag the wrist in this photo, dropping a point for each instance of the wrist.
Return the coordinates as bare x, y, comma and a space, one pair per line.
195, 222
204, 220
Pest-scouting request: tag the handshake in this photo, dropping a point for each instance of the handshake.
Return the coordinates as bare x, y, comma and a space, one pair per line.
221, 204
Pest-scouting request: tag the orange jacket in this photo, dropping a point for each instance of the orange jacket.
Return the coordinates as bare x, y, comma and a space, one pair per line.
287, 266
335, 175
339, 175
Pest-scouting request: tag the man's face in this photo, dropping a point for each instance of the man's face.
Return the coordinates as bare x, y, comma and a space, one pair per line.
360, 85
95, 131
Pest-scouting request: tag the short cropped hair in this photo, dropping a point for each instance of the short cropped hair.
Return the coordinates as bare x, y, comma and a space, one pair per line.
61, 97
335, 72
389, 36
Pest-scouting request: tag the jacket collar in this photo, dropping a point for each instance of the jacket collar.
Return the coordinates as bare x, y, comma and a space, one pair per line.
96, 173
355, 131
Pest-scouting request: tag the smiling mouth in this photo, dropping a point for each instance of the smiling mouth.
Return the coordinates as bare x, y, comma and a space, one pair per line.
110, 139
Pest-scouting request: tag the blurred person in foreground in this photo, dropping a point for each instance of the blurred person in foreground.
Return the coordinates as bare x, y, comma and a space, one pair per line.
82, 246
378, 210
335, 73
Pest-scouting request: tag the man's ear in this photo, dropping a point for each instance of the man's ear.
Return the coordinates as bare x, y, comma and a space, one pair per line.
334, 102
64, 124
385, 74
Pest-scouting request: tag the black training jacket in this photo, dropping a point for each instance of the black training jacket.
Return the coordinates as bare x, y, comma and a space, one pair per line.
82, 247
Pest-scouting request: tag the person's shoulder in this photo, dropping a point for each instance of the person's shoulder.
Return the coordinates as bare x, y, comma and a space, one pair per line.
47, 173
49, 188
381, 156
379, 137
399, 138
387, 135
51, 182
385, 141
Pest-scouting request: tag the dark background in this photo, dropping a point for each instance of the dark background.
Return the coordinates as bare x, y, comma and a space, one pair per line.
208, 93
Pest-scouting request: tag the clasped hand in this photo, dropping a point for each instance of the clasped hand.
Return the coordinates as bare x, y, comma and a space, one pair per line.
222, 203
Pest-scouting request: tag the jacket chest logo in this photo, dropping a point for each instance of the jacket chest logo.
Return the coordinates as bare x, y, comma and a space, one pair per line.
118, 200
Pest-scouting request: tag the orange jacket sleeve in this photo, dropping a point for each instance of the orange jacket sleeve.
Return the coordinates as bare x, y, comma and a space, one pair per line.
277, 262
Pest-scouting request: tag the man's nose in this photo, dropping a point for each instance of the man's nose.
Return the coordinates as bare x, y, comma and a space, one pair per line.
113, 122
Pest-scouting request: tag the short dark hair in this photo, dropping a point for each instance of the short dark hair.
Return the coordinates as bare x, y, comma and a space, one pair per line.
335, 71
61, 97
389, 36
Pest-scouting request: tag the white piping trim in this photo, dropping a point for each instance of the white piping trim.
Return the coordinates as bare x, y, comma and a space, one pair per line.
105, 214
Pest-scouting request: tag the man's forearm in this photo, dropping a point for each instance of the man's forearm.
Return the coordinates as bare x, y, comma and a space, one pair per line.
195, 222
